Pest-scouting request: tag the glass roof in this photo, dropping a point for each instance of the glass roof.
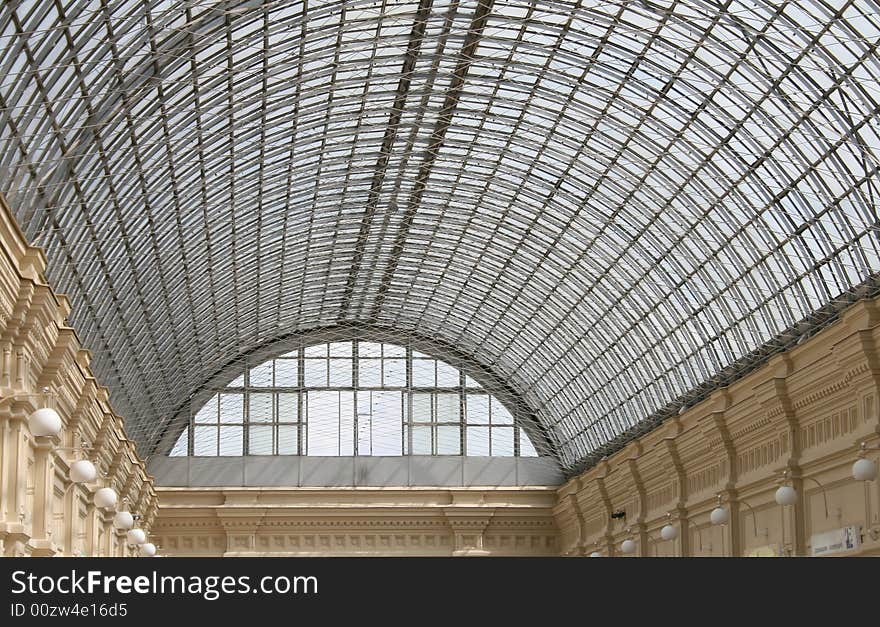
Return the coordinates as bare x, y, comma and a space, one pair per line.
613, 206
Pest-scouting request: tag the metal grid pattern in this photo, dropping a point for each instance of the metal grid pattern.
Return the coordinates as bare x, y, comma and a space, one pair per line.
352, 398
611, 205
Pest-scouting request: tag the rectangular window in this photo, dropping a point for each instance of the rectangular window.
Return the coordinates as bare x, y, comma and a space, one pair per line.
447, 376
316, 372
477, 408
231, 441
286, 373
448, 407
340, 373
421, 439
288, 439
478, 441
370, 373
423, 373
323, 423
288, 407
260, 407
260, 440
204, 441
502, 441
422, 407
232, 408
394, 373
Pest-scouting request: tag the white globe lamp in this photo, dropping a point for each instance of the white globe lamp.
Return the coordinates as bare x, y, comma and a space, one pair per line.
45, 422
628, 546
105, 498
669, 532
123, 520
82, 471
864, 470
719, 516
786, 495
595, 554
148, 549
136, 536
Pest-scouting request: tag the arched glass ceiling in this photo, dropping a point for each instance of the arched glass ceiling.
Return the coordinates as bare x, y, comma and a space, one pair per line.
352, 398
611, 205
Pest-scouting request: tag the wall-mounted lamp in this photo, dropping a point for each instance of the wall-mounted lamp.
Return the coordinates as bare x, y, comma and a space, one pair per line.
148, 549
721, 515
865, 469
44, 421
787, 495
136, 536
628, 546
105, 498
669, 531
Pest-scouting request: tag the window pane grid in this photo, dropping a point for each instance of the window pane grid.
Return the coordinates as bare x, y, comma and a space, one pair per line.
353, 398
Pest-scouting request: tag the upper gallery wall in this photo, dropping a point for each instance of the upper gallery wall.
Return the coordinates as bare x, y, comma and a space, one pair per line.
610, 206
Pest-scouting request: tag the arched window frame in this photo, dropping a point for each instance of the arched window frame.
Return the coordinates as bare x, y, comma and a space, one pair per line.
439, 418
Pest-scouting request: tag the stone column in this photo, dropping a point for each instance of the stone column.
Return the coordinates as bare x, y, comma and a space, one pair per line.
44, 488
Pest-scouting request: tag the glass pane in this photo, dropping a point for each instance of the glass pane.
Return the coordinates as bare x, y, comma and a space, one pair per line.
369, 373
421, 440
526, 448
261, 376
285, 373
421, 407
394, 373
181, 447
319, 350
232, 408
500, 415
423, 373
287, 407
260, 407
207, 414
477, 409
447, 376
237, 382
448, 440
478, 441
340, 373
369, 349
387, 427
287, 440
448, 407
393, 350
260, 440
231, 441
205, 441
346, 423
340, 349
471, 383
502, 441
316, 372
323, 423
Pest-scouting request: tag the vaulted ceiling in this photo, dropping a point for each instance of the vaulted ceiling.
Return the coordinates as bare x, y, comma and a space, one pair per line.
613, 206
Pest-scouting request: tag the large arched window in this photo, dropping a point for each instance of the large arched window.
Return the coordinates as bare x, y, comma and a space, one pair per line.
353, 398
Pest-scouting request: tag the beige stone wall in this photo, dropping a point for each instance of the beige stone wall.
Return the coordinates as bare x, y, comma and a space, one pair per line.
356, 521
40, 512
806, 411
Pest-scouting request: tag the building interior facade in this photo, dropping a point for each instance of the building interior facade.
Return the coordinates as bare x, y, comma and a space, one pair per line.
585, 278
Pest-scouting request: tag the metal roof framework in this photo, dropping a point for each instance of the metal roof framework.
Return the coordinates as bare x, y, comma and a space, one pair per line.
612, 206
